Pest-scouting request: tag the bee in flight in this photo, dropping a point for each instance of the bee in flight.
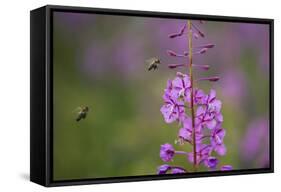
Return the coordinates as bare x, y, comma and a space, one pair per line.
82, 112
153, 63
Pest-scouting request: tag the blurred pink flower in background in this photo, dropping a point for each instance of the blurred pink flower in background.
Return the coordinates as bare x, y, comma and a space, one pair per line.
234, 85
255, 144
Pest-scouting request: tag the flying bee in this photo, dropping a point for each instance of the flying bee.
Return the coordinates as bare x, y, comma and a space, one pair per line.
153, 63
82, 112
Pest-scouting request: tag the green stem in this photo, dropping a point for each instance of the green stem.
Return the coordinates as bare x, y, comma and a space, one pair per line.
191, 94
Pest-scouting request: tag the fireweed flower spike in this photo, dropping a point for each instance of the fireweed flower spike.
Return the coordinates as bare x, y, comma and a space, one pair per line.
197, 113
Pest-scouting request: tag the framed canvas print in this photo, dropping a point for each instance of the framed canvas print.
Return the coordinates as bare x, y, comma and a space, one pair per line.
119, 95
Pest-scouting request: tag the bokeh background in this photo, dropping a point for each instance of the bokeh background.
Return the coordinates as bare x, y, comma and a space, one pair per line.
99, 61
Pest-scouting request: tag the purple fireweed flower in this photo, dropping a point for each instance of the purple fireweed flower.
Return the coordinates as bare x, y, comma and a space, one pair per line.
167, 152
178, 170
181, 86
185, 133
203, 151
198, 97
216, 139
226, 168
209, 114
211, 162
206, 118
211, 100
173, 109
163, 169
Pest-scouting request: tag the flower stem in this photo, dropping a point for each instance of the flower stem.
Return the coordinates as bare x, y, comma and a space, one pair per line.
189, 24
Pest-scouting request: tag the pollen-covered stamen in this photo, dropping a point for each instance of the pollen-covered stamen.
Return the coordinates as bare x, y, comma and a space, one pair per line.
213, 79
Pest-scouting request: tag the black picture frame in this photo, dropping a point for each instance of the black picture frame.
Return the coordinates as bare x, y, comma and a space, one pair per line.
41, 101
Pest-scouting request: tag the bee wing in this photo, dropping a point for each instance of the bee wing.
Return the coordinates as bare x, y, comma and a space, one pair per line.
150, 67
150, 60
77, 109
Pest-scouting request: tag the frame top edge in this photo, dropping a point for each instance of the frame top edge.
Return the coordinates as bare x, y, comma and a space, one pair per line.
178, 15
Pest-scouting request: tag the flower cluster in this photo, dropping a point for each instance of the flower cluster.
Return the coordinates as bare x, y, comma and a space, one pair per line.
198, 113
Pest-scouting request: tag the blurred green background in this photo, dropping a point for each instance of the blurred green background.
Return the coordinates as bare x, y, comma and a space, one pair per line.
99, 61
